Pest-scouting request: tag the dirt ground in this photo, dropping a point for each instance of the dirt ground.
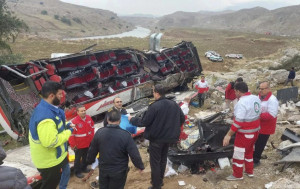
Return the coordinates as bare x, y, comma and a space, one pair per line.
265, 173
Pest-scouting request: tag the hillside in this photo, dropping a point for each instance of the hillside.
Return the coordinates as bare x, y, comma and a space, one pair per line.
280, 21
55, 19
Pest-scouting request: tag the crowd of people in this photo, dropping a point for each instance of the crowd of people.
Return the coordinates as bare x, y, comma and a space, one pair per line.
49, 135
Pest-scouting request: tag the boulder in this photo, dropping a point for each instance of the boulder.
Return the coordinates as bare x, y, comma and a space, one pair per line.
289, 54
278, 76
294, 118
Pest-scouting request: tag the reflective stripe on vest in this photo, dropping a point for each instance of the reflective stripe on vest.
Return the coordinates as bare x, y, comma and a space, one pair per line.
79, 135
247, 120
248, 131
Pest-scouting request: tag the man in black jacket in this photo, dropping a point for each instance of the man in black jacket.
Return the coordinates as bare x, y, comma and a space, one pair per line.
114, 145
162, 121
291, 76
118, 105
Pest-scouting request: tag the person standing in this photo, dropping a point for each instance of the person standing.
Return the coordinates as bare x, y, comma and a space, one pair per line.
81, 139
118, 105
291, 76
114, 146
245, 127
268, 118
48, 135
184, 105
162, 121
230, 96
202, 88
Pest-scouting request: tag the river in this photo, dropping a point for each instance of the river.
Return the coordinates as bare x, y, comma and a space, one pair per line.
139, 32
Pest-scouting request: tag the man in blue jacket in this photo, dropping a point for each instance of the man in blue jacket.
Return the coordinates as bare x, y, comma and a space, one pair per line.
291, 76
48, 135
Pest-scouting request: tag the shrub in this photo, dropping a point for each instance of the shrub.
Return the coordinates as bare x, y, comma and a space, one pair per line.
112, 17
66, 21
11, 59
56, 17
77, 20
44, 12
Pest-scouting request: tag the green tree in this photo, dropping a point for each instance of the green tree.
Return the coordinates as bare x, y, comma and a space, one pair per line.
10, 27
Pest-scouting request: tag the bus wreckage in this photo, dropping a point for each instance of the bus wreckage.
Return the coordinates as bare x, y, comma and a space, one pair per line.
94, 79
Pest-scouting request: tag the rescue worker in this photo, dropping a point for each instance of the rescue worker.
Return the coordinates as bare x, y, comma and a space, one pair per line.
48, 135
268, 118
184, 105
230, 93
115, 146
162, 121
202, 88
81, 139
118, 105
246, 126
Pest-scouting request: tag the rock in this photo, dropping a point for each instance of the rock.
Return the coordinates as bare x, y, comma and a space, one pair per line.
284, 144
278, 76
298, 103
294, 118
284, 183
215, 95
220, 82
235, 186
189, 187
289, 54
275, 64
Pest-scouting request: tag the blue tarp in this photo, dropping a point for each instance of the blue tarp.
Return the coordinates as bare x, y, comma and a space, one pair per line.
126, 125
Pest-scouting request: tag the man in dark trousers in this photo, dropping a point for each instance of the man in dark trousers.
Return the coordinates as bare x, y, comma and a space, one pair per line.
48, 135
291, 76
268, 118
118, 105
114, 146
162, 121
81, 139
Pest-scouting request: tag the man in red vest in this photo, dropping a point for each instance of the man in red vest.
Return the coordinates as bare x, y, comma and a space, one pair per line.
245, 127
81, 139
202, 88
268, 118
230, 93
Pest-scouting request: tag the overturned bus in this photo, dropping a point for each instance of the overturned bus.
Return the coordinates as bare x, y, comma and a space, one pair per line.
93, 79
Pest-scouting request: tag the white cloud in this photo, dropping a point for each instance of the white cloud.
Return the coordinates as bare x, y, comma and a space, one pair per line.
162, 7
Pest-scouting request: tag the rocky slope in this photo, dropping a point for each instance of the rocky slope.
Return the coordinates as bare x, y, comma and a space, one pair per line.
55, 19
280, 21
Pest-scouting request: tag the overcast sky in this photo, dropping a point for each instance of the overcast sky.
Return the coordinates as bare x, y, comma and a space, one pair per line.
163, 7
